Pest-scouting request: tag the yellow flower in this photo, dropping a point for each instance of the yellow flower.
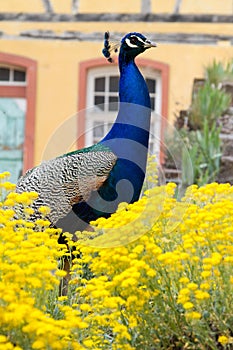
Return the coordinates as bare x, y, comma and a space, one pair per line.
206, 274
194, 315
23, 198
60, 273
89, 343
184, 280
151, 273
42, 223
222, 339
8, 186
205, 285
62, 298
184, 291
28, 211
32, 195
199, 294
3, 338
5, 175
38, 344
44, 210
138, 249
129, 282
182, 299
132, 322
192, 286
188, 305
85, 307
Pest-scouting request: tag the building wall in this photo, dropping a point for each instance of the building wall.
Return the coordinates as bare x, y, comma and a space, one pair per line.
112, 6
59, 45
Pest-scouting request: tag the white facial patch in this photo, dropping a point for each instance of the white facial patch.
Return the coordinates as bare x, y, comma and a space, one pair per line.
128, 42
140, 39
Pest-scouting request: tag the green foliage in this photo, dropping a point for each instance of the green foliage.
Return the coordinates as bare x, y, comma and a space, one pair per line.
204, 148
217, 73
163, 280
209, 103
202, 140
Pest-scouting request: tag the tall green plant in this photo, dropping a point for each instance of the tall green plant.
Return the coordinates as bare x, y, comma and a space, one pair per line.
205, 152
209, 103
215, 73
218, 73
203, 142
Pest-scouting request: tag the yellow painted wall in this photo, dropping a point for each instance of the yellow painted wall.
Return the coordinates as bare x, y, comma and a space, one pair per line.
113, 6
61, 6
24, 6
14, 28
207, 6
57, 84
193, 6
157, 6
110, 6
161, 6
58, 61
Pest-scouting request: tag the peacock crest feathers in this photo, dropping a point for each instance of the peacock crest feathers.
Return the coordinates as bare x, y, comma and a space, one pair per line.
109, 47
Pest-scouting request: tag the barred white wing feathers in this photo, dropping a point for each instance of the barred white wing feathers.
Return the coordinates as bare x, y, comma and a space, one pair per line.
65, 181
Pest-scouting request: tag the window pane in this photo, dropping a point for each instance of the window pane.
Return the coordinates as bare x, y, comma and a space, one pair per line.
99, 101
98, 129
151, 147
100, 84
113, 84
109, 125
113, 103
19, 75
152, 102
4, 74
151, 83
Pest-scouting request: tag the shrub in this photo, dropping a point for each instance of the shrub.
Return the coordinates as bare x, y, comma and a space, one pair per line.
156, 275
209, 104
218, 73
200, 132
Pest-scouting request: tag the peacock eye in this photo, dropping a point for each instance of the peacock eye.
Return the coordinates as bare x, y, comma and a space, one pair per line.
133, 40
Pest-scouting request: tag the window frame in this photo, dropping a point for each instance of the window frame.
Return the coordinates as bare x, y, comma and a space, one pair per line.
107, 116
11, 81
27, 91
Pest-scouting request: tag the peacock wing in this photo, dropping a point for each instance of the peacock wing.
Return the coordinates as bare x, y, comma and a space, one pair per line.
67, 180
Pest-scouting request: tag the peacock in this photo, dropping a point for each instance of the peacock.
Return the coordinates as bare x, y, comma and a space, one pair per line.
89, 183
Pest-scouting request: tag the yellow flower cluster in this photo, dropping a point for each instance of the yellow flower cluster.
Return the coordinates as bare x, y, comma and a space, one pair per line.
176, 273
156, 275
29, 280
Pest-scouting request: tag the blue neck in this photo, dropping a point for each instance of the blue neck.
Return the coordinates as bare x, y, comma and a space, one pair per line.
133, 119
132, 87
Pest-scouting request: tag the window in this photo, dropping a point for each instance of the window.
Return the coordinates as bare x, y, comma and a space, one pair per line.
102, 103
106, 93
17, 113
12, 119
12, 76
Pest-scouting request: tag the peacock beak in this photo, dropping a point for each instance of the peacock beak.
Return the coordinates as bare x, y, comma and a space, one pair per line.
148, 44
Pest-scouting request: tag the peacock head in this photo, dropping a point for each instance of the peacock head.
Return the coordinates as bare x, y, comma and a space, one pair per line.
132, 44
135, 43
